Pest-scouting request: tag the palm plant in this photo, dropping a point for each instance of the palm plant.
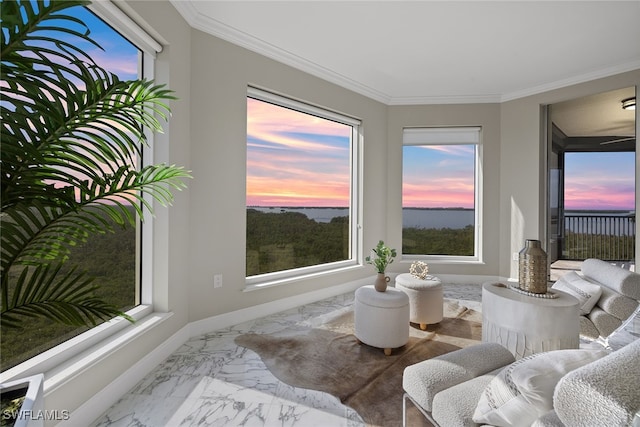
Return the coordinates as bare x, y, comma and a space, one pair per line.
71, 136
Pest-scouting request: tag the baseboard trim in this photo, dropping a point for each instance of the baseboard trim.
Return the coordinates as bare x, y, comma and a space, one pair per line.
255, 312
103, 400
99, 403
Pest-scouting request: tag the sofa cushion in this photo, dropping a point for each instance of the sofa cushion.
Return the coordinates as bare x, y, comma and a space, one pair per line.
454, 406
585, 291
423, 380
588, 329
605, 322
616, 304
603, 393
523, 391
620, 280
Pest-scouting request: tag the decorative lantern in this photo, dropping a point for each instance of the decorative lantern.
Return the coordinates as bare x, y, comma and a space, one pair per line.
532, 268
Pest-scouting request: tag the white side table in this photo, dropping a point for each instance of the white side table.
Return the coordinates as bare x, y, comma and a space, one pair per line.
526, 325
426, 298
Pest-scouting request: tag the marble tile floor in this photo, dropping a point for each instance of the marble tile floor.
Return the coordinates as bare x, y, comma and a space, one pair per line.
210, 381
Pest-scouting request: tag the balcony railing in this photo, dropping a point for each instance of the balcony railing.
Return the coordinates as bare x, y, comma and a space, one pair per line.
607, 237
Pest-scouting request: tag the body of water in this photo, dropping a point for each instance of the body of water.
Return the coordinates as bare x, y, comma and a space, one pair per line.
460, 218
411, 217
615, 223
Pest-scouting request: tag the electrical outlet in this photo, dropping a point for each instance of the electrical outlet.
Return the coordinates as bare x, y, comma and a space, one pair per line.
217, 281
515, 256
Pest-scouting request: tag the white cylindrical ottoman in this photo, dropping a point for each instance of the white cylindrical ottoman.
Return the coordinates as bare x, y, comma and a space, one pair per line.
381, 318
425, 298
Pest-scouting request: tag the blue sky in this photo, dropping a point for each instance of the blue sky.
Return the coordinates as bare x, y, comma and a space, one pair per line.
438, 176
118, 56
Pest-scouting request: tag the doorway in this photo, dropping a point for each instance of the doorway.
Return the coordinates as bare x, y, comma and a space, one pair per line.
591, 180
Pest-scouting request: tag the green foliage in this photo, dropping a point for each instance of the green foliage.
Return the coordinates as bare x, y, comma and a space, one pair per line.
438, 241
110, 259
580, 246
71, 136
382, 256
10, 404
282, 241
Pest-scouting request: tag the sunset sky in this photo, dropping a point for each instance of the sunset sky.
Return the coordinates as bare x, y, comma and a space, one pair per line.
295, 159
119, 56
600, 181
438, 176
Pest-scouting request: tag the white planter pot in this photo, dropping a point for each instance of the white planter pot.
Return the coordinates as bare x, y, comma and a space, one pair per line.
31, 412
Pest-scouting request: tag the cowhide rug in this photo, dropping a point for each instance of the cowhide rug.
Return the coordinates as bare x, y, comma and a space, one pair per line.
325, 355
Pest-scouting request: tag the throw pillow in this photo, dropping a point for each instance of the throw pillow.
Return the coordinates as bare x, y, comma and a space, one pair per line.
588, 293
523, 391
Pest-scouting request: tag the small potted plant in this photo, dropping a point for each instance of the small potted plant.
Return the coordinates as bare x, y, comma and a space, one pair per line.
381, 257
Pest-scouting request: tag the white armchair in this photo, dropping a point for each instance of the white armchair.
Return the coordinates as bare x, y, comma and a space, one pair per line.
482, 385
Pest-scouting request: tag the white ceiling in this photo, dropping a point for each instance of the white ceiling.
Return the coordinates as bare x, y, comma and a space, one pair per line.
425, 52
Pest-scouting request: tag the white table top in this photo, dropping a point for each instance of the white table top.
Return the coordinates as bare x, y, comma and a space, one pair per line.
501, 290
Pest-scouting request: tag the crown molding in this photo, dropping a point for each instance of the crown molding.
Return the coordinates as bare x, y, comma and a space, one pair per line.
581, 78
239, 38
455, 99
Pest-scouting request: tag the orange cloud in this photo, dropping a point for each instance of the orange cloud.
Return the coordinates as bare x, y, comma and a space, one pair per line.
295, 159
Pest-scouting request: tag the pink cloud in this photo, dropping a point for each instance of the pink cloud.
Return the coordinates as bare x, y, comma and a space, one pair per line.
289, 161
599, 193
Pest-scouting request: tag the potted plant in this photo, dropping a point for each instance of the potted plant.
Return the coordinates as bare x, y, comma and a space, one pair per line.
70, 136
22, 402
70, 130
381, 256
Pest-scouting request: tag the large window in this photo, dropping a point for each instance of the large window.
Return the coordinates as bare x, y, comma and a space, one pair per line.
301, 176
114, 259
440, 192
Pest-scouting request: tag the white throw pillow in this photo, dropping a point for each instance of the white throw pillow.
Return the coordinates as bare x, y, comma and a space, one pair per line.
587, 292
523, 391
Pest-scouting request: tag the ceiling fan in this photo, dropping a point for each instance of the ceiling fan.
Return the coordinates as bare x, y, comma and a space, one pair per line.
616, 140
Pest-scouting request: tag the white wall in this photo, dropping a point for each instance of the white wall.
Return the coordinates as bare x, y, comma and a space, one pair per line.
207, 134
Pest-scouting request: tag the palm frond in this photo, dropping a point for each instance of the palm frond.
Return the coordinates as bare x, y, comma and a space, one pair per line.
72, 135
25, 37
51, 293
37, 232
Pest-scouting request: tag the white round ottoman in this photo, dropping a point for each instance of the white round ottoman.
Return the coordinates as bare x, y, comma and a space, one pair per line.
425, 298
381, 318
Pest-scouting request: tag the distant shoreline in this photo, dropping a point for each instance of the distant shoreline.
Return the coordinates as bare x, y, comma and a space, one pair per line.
630, 211
347, 207
415, 217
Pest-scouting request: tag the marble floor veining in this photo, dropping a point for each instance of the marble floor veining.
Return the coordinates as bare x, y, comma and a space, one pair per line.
210, 381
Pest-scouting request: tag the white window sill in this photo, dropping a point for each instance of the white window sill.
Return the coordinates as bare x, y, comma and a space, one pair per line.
81, 351
267, 282
441, 259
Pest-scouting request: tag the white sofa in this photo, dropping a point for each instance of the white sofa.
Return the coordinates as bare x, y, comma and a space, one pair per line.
608, 294
595, 386
559, 388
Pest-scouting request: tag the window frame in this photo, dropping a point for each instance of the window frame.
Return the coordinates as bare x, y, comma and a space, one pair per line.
449, 135
355, 216
64, 353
